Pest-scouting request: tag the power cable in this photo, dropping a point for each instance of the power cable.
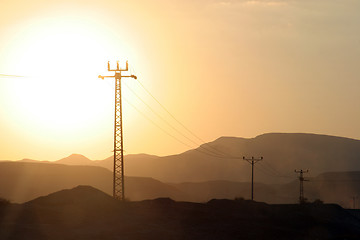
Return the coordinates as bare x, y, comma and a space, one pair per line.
166, 132
171, 126
274, 171
181, 124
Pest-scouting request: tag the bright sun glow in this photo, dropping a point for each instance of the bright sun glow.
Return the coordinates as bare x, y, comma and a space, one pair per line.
61, 61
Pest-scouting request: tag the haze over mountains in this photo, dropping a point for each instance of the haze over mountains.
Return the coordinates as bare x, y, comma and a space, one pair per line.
282, 152
20, 182
194, 176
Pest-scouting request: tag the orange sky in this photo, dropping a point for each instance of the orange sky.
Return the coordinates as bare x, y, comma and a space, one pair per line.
235, 68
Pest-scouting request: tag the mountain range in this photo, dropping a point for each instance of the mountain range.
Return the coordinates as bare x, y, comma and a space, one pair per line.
21, 182
222, 159
201, 174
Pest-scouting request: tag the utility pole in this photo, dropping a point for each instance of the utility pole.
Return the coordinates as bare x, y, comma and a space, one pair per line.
118, 174
301, 180
354, 198
252, 161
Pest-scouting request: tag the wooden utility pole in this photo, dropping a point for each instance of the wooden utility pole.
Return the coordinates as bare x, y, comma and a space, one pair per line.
252, 161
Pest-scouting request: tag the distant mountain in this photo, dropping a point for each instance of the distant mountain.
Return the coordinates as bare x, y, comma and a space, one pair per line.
222, 159
282, 152
76, 159
31, 160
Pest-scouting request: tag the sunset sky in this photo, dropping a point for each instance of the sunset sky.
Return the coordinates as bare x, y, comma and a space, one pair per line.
222, 68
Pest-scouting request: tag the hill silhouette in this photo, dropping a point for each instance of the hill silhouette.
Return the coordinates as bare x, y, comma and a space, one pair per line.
21, 182
86, 213
79, 195
282, 152
76, 159
193, 176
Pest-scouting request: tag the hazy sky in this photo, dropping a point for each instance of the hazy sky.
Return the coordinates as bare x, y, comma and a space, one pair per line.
222, 68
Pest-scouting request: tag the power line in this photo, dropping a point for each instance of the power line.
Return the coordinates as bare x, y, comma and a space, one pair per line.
265, 171
275, 172
181, 124
170, 125
166, 132
162, 129
213, 152
150, 120
268, 172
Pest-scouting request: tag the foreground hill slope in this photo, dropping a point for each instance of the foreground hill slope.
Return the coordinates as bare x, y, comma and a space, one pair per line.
86, 213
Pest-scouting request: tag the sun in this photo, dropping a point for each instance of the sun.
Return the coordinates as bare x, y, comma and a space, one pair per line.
61, 59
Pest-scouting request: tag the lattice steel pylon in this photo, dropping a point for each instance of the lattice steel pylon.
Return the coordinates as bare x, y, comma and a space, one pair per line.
118, 173
301, 172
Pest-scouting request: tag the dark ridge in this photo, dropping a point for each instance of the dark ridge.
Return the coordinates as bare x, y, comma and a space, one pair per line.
87, 213
160, 201
78, 195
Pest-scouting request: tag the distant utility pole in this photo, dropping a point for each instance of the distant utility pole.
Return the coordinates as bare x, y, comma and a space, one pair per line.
118, 174
252, 161
354, 198
301, 179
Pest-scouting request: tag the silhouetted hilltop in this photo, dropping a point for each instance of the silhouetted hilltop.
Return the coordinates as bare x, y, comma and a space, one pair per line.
78, 195
87, 213
76, 159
